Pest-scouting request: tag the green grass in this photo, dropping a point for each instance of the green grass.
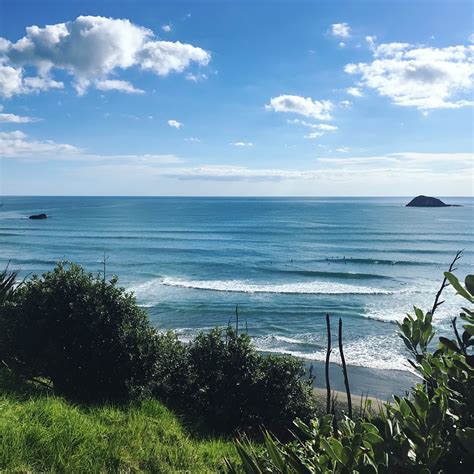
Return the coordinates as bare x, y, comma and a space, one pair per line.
44, 433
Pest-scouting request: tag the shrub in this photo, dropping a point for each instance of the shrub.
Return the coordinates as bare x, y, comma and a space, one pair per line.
84, 334
430, 431
225, 383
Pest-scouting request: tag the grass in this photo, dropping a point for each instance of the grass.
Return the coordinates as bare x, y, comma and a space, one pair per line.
43, 433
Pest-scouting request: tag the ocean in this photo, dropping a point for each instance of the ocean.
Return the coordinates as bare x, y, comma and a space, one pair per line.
286, 263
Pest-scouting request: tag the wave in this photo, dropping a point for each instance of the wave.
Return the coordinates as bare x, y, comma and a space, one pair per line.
374, 261
31, 261
342, 275
376, 352
240, 286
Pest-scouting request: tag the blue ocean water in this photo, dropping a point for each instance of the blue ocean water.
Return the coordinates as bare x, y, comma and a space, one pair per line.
285, 261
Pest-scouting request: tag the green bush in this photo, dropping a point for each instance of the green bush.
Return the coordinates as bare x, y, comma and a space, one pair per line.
85, 335
225, 383
89, 339
432, 430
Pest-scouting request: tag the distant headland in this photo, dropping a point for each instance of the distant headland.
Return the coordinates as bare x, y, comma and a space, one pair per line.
428, 201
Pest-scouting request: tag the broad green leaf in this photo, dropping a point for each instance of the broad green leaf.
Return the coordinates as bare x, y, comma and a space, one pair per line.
458, 287
469, 283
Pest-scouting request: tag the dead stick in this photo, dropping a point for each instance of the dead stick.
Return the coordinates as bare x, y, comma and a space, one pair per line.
328, 355
344, 369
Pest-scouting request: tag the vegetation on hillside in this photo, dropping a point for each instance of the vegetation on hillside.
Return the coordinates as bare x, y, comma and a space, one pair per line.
88, 340
84, 376
40, 432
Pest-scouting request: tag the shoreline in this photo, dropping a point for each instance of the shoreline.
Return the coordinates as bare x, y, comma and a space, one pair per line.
377, 384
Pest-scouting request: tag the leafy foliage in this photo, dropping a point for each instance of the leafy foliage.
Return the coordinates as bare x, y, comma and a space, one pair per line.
7, 286
432, 430
84, 334
224, 382
90, 339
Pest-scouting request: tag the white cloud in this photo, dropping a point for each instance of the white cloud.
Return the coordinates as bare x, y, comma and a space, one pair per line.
13, 118
241, 144
12, 82
192, 140
17, 144
342, 44
166, 28
90, 48
319, 129
342, 150
117, 85
371, 41
313, 135
175, 124
341, 30
421, 77
142, 160
345, 103
195, 77
405, 160
318, 109
354, 92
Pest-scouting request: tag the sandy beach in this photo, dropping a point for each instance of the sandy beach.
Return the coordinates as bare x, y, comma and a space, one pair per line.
376, 383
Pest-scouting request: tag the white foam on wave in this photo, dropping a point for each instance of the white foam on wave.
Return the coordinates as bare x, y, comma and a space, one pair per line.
421, 298
241, 286
377, 352
289, 340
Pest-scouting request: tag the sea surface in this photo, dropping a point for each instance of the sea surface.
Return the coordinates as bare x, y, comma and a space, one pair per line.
286, 262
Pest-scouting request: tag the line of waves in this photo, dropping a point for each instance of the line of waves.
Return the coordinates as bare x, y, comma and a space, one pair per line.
241, 286
342, 275
376, 261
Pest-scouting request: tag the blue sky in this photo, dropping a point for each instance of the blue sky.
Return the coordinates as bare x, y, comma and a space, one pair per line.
236, 97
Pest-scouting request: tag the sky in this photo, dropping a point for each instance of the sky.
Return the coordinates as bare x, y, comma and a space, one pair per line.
251, 98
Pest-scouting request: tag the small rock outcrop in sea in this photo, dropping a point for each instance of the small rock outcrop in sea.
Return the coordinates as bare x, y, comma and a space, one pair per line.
427, 201
38, 216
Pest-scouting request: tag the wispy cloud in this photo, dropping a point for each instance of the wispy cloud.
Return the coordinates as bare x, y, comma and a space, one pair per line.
13, 118
241, 144
318, 129
117, 85
18, 145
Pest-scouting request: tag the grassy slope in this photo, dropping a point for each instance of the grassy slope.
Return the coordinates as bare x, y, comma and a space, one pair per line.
46, 433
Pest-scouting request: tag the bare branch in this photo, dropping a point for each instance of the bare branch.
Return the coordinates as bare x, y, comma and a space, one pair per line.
445, 283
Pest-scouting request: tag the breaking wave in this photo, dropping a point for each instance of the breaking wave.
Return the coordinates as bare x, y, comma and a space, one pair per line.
241, 286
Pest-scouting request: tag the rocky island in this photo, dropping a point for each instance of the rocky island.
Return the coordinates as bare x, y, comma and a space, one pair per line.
38, 216
427, 201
